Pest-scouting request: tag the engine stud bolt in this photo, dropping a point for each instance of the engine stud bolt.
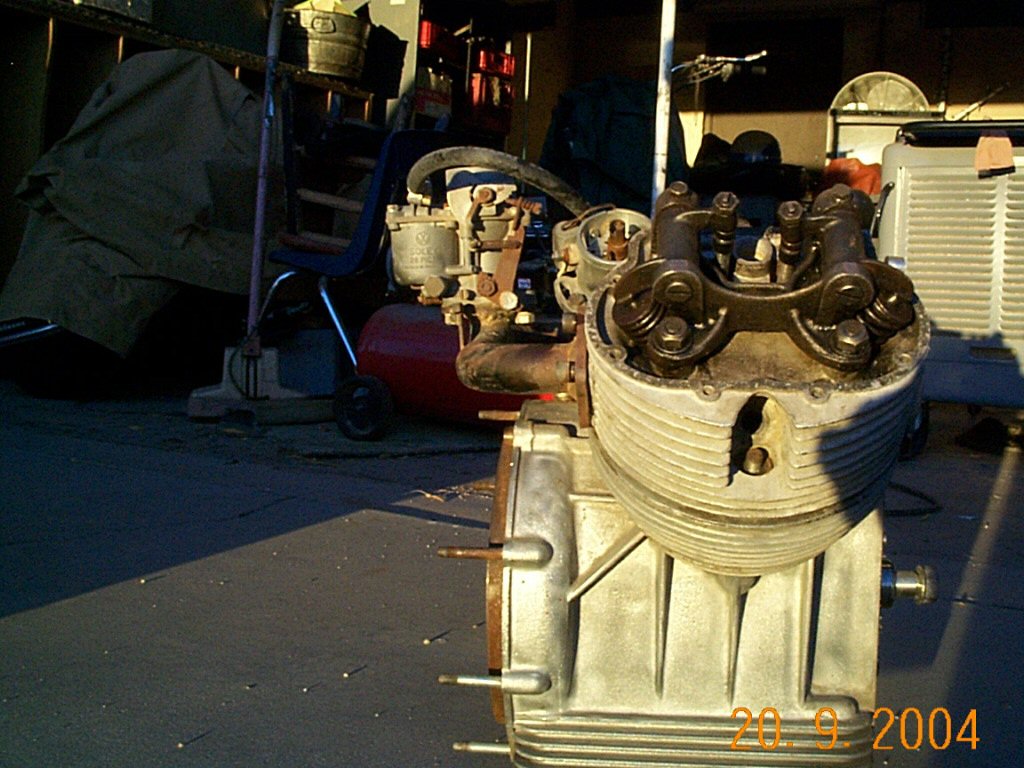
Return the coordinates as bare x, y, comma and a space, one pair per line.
471, 553
757, 461
725, 202
790, 212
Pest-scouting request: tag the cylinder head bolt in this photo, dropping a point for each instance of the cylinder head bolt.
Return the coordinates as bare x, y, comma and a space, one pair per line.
851, 338
669, 340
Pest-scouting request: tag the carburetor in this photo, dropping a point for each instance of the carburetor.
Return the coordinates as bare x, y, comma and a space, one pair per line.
465, 249
690, 529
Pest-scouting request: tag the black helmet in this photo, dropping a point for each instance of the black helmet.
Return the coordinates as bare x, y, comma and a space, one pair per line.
756, 148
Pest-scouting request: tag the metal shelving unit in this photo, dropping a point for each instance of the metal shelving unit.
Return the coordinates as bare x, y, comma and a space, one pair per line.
57, 53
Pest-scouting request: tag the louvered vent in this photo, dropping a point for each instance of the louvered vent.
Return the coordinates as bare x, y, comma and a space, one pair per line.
965, 249
951, 234
1011, 317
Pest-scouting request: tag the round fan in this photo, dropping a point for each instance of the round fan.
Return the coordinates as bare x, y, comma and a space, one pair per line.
880, 92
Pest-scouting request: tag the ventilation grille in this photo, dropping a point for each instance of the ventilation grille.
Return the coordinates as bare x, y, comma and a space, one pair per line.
965, 249
1011, 314
951, 234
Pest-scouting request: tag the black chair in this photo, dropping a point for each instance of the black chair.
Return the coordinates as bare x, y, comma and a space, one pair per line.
362, 403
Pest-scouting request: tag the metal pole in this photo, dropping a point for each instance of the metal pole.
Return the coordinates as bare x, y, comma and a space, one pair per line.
259, 236
664, 104
526, 94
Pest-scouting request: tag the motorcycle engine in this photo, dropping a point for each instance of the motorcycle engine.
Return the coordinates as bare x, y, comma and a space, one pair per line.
690, 532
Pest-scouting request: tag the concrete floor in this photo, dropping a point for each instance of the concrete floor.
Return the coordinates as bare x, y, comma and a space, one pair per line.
217, 595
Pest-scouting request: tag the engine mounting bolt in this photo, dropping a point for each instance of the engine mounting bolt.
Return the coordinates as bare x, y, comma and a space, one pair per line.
471, 553
671, 335
920, 584
850, 337
757, 461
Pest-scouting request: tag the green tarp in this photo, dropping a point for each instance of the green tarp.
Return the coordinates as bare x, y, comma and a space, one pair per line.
153, 187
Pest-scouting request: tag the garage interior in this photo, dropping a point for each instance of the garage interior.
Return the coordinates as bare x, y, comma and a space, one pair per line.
253, 587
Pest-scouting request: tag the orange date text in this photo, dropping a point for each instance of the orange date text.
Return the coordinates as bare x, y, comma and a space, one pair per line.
910, 729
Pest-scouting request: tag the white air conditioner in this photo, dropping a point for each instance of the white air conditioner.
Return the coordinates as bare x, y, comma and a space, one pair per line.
961, 240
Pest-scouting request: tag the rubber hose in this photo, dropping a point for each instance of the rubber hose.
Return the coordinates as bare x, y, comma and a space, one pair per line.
492, 159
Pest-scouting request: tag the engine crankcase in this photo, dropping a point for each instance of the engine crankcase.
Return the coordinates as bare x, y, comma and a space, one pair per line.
635, 657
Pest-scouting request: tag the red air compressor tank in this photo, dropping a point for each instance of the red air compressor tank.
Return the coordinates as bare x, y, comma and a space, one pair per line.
409, 348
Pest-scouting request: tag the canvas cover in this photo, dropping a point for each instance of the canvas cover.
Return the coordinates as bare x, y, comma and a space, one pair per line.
153, 187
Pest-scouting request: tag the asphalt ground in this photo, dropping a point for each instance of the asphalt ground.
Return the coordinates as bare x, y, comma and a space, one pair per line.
175, 593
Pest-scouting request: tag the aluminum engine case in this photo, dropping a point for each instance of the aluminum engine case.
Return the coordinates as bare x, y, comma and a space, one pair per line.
649, 655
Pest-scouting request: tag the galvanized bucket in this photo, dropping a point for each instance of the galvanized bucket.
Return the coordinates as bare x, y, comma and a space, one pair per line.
326, 43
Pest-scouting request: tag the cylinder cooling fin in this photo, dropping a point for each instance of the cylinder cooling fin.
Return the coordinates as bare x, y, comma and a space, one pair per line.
739, 497
731, 418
